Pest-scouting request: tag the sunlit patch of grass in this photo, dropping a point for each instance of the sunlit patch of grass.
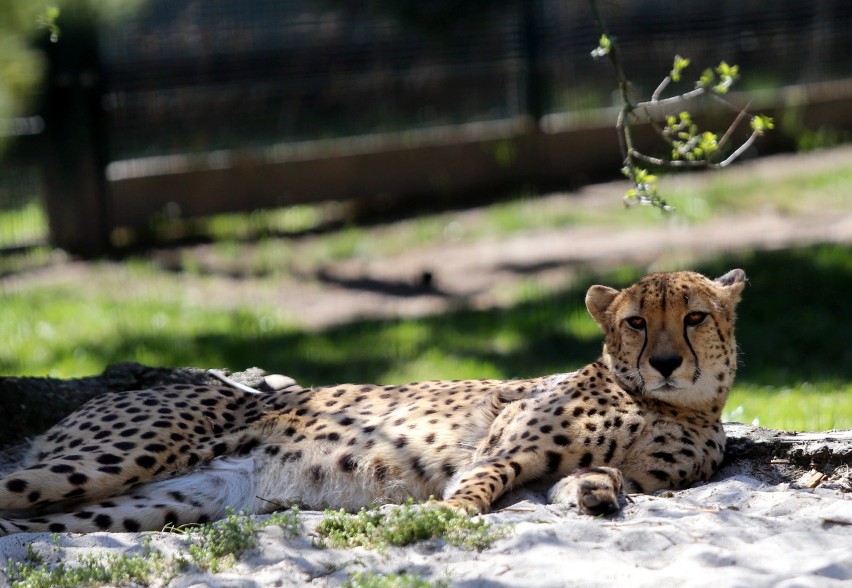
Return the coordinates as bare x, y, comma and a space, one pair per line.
218, 545
405, 580
58, 332
807, 191
288, 220
804, 407
27, 224
212, 547
405, 524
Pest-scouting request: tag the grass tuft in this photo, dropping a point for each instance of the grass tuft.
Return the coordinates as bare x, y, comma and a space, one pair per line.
405, 524
218, 545
406, 580
213, 547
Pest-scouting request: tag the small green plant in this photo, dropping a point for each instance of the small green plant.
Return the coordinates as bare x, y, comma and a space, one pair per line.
406, 580
217, 546
405, 524
91, 570
213, 547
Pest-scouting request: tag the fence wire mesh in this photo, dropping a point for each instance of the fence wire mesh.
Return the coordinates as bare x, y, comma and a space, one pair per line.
184, 76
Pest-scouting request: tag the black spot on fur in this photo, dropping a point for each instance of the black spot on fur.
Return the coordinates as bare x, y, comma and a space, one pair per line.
170, 519
16, 485
554, 459
585, 460
418, 468
660, 475
316, 474
664, 456
109, 459
347, 463
103, 521
448, 469
146, 461
610, 451
78, 479
561, 440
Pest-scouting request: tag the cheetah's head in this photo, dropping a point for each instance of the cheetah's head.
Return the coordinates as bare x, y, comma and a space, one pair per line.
670, 336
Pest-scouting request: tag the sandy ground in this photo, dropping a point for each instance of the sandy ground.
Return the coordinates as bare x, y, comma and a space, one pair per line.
738, 531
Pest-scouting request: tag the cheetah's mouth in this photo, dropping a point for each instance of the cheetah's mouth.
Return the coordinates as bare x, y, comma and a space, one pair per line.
667, 385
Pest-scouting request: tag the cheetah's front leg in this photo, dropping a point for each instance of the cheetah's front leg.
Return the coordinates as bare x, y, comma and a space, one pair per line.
474, 490
594, 491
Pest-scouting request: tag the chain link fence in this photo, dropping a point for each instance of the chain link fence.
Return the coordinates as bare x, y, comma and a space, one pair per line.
178, 78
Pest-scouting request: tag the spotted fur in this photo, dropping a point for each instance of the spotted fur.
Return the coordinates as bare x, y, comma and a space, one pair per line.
645, 416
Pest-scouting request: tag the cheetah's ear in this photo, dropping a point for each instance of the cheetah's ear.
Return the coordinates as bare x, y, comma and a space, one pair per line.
733, 282
598, 300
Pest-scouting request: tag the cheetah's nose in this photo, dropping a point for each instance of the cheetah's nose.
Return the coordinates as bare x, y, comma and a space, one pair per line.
666, 364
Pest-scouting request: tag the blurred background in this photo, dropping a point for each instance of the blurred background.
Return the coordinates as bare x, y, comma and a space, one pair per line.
396, 190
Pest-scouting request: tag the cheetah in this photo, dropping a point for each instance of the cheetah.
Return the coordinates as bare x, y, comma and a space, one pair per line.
645, 416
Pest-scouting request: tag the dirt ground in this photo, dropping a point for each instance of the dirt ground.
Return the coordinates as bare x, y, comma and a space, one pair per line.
489, 272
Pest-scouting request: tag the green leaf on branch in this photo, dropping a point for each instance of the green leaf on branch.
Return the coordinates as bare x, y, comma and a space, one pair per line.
644, 190
680, 64
47, 20
760, 124
603, 48
727, 75
707, 79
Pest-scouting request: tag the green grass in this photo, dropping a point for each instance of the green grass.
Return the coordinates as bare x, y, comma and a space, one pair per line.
796, 347
211, 547
406, 580
110, 569
218, 545
403, 525
26, 224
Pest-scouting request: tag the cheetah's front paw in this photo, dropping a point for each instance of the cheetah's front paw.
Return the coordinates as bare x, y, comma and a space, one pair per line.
594, 490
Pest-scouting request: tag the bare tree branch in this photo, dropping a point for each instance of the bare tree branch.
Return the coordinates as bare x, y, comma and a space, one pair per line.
690, 148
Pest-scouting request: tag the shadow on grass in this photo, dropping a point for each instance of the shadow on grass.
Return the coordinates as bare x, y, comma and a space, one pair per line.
794, 327
795, 320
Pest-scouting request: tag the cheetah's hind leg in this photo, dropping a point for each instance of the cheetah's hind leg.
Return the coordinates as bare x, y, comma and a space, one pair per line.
595, 491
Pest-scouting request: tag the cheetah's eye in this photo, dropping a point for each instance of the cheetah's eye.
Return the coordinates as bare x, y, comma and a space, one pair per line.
693, 319
636, 322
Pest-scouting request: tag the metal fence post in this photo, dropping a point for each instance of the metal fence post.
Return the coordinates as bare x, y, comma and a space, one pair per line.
534, 89
74, 138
